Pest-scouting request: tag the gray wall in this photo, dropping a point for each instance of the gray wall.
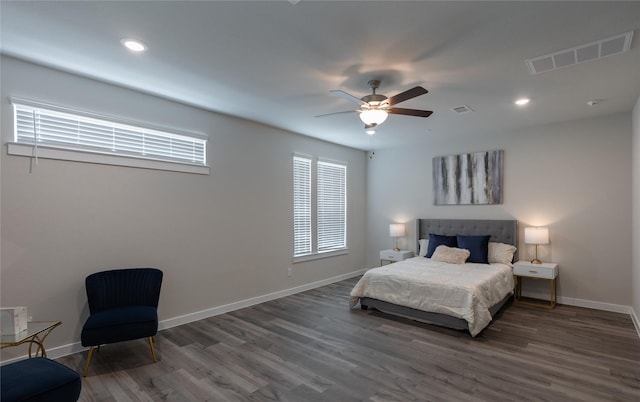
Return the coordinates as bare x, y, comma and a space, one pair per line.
219, 239
572, 177
636, 214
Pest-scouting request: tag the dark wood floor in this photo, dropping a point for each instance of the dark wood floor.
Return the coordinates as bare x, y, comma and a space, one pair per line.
311, 347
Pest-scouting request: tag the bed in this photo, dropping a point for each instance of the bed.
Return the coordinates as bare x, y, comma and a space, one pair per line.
463, 297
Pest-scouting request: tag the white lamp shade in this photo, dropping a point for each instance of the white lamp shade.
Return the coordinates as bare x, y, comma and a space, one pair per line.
396, 229
373, 116
536, 235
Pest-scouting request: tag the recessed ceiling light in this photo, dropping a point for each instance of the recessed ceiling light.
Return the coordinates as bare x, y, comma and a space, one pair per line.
134, 45
522, 101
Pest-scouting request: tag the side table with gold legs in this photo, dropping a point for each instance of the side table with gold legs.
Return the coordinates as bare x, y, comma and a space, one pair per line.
543, 271
36, 333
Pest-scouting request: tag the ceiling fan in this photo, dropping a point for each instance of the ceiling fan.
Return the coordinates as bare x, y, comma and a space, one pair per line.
375, 108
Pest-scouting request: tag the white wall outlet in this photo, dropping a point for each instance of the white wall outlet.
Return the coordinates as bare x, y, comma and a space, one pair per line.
289, 271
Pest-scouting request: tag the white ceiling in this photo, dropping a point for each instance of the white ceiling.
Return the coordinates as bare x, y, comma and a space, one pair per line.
275, 62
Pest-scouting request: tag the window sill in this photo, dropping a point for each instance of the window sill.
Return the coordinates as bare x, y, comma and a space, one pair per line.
75, 155
317, 256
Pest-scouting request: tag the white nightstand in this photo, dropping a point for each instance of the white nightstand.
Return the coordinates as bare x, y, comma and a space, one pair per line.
394, 256
545, 271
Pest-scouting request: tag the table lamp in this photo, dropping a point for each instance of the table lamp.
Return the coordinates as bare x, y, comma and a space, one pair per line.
534, 235
396, 230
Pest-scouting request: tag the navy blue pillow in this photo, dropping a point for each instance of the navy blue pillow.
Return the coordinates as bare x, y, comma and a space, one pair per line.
478, 246
436, 240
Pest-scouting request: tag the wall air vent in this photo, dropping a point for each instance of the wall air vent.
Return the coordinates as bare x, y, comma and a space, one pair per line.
462, 109
590, 51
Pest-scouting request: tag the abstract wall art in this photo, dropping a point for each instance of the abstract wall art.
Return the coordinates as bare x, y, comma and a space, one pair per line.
468, 179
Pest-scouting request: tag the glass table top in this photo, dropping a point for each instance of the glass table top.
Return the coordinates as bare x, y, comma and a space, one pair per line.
33, 328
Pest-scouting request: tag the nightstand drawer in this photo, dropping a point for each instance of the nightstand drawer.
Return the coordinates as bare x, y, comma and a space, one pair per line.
546, 271
390, 255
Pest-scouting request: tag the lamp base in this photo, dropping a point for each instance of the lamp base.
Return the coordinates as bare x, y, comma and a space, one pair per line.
536, 261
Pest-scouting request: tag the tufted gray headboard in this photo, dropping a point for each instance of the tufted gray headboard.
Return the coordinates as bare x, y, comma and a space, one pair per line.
502, 231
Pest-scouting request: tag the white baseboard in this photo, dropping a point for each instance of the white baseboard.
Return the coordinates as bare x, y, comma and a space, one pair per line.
200, 315
615, 308
64, 350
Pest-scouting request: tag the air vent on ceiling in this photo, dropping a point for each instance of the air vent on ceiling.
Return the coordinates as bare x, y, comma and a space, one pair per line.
462, 109
590, 51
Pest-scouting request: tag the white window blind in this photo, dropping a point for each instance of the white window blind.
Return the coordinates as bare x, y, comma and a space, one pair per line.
332, 213
41, 126
302, 240
321, 209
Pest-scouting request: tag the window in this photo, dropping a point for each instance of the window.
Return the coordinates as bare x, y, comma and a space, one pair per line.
331, 206
42, 128
323, 211
301, 206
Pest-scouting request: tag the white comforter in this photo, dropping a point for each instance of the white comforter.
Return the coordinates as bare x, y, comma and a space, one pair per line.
463, 291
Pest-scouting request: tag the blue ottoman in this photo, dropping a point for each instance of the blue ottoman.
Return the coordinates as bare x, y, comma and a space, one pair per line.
39, 379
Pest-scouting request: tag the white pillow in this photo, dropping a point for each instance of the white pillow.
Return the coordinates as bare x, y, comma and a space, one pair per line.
500, 252
424, 245
451, 255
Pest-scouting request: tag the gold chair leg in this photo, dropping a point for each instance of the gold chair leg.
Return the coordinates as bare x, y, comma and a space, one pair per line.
153, 350
86, 366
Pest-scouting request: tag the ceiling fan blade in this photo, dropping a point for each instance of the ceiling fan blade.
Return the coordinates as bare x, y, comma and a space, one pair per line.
347, 96
331, 114
406, 95
410, 112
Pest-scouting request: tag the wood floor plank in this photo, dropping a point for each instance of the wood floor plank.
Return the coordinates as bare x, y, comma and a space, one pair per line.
311, 347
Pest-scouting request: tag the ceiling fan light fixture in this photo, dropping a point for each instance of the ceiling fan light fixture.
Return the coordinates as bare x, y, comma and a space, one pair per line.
373, 116
370, 131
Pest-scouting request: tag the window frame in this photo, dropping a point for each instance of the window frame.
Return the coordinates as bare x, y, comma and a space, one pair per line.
315, 252
65, 149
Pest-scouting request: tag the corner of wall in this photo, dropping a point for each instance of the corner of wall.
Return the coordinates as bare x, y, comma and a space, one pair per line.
635, 215
636, 321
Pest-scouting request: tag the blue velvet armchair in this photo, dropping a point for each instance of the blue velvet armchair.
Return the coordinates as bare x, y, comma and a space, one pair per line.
123, 306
